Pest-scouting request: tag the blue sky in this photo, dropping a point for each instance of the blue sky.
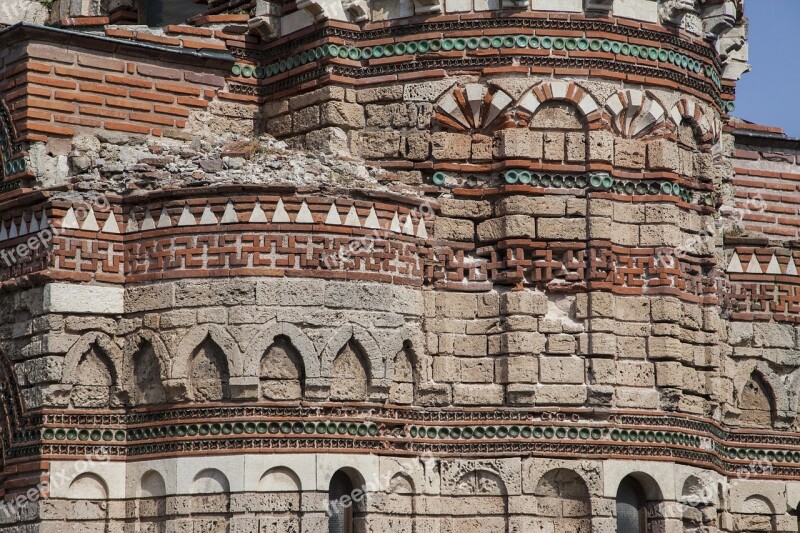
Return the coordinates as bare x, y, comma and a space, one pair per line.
768, 93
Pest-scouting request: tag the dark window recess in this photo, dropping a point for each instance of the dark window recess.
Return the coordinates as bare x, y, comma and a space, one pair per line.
340, 515
631, 511
164, 12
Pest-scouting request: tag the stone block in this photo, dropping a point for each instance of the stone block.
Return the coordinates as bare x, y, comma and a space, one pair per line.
380, 144
343, 115
473, 394
662, 154
524, 303
517, 369
554, 146
451, 146
506, 227
516, 143
418, 146
451, 207
395, 115
561, 344
305, 120
532, 205
629, 153
600, 147
517, 342
454, 229
561, 370
562, 229
576, 147
560, 395
481, 148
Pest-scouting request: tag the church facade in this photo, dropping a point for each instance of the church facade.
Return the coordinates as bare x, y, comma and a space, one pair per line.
422, 266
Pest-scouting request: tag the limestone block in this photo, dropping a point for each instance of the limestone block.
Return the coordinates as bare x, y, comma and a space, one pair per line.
772, 335
532, 205
600, 147
344, 115
524, 303
576, 147
519, 143
703, 166
554, 146
560, 395
83, 299
470, 345
380, 144
665, 309
476, 370
305, 119
481, 148
521, 394
451, 146
561, 370
395, 115
562, 229
451, 207
454, 229
629, 213
597, 344
562, 343
517, 342
149, 297
635, 309
663, 155
664, 348
380, 94
418, 146
469, 394
517, 369
328, 141
506, 227
635, 373
636, 398
629, 153
456, 305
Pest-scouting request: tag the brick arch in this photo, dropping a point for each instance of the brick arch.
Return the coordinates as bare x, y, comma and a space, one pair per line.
375, 358
634, 113
561, 91
264, 338
690, 111
194, 338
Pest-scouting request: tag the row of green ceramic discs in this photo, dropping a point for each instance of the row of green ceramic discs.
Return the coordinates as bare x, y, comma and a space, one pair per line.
477, 43
95, 435
11, 167
659, 437
764, 455
504, 432
251, 428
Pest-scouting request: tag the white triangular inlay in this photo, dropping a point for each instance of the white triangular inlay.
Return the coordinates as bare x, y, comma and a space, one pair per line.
791, 268
422, 231
352, 218
148, 223
372, 221
3, 232
754, 267
23, 226
164, 220
280, 216
111, 225
34, 227
333, 217
258, 216
69, 221
304, 216
12, 233
208, 218
90, 222
408, 225
44, 222
395, 225
187, 218
774, 267
735, 266
229, 216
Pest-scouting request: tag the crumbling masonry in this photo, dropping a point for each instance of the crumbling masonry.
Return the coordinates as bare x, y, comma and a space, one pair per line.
360, 266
